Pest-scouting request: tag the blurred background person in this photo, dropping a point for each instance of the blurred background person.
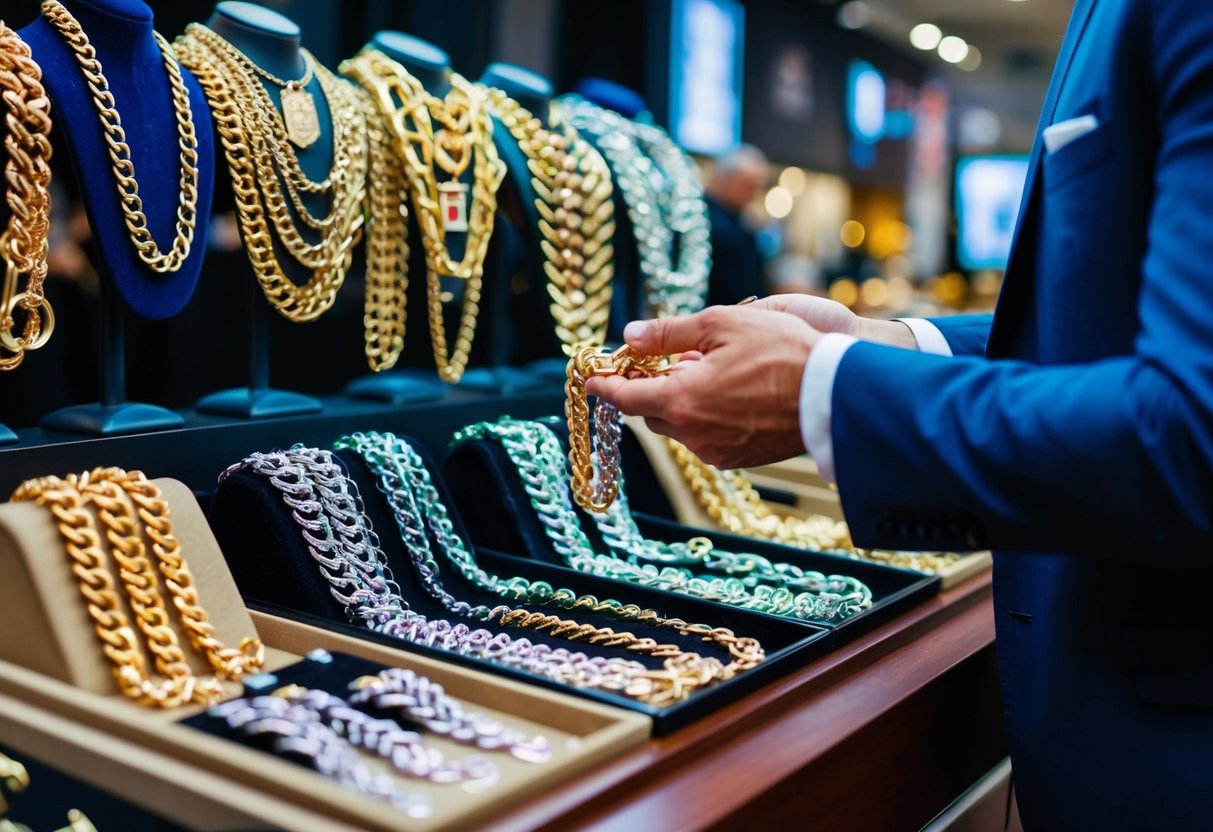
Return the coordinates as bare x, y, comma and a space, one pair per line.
738, 268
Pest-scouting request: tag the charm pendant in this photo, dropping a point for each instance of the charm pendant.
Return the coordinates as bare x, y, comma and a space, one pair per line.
452, 201
299, 116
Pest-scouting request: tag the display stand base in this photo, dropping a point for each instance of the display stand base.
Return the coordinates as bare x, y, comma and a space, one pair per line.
247, 403
504, 380
398, 387
7, 437
112, 420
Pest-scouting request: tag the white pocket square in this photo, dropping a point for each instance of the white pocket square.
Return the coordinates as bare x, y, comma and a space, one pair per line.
1056, 136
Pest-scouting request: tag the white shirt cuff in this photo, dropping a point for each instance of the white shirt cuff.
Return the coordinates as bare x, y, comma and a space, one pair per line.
816, 396
928, 336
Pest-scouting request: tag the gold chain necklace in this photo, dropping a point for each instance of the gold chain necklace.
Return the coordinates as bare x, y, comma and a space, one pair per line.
120, 153
27, 172
89, 563
731, 500
387, 249
576, 219
465, 135
231, 92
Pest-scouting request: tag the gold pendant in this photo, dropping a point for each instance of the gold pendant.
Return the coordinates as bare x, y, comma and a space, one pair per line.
452, 200
299, 116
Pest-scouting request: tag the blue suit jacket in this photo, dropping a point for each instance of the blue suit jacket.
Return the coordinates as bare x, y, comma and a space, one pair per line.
1075, 435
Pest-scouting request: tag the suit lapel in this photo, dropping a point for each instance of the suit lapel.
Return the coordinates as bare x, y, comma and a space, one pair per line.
1021, 264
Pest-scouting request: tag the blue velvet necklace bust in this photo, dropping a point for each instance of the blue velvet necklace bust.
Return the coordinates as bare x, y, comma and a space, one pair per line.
121, 33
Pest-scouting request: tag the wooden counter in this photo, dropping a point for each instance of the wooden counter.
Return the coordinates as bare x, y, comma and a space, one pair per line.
882, 734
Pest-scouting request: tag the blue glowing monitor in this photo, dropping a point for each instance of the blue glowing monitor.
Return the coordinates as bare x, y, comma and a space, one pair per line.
988, 193
705, 74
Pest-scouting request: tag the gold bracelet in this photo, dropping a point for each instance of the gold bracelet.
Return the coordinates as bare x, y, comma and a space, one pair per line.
258, 155
27, 172
97, 586
596, 493
576, 220
120, 153
463, 138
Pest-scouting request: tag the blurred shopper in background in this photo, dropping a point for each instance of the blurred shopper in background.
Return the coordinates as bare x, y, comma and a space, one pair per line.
738, 269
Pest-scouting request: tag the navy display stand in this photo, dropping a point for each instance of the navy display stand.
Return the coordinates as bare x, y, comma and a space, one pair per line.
113, 415
272, 41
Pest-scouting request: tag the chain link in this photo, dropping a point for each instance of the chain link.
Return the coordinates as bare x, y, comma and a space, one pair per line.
161, 262
241, 124
464, 138
572, 186
27, 175
748, 581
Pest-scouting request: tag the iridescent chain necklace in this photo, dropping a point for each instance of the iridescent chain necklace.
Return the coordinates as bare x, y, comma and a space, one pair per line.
661, 202
404, 480
748, 581
327, 508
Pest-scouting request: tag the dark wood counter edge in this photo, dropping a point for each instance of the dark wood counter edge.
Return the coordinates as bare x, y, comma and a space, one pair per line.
774, 732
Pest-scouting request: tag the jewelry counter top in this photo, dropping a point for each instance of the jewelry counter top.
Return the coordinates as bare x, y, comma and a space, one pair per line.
880, 734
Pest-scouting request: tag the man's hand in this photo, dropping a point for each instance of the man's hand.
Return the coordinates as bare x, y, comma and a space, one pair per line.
830, 316
734, 398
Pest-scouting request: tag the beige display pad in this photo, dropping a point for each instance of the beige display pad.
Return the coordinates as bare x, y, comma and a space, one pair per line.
67, 711
798, 476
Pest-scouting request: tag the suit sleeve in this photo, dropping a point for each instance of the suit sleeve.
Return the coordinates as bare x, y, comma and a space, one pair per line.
966, 334
1113, 457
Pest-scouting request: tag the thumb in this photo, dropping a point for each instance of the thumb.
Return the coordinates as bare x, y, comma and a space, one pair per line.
666, 336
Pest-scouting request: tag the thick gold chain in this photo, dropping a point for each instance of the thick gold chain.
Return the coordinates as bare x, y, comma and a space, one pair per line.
120, 153
573, 191
387, 249
97, 586
731, 500
246, 151
466, 134
153, 512
597, 494
27, 176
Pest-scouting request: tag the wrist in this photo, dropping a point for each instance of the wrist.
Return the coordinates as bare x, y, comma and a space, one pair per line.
893, 333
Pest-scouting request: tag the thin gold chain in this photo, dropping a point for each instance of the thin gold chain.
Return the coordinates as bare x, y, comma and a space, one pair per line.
576, 221
161, 262
465, 138
27, 176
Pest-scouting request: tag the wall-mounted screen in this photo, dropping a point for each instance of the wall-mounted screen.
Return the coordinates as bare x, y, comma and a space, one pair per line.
988, 193
706, 41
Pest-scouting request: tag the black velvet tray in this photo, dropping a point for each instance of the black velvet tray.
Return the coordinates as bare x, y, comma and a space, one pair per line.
490, 496
274, 572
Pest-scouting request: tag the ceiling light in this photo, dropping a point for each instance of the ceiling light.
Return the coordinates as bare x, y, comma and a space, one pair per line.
854, 15
971, 61
925, 36
794, 180
778, 202
953, 49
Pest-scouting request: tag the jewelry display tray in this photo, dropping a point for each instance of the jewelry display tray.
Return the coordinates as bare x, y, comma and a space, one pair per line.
498, 515
212, 783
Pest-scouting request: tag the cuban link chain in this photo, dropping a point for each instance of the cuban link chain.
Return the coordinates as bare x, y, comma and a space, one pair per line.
572, 186
404, 480
89, 563
244, 122
463, 138
660, 203
748, 581
27, 176
326, 506
161, 262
